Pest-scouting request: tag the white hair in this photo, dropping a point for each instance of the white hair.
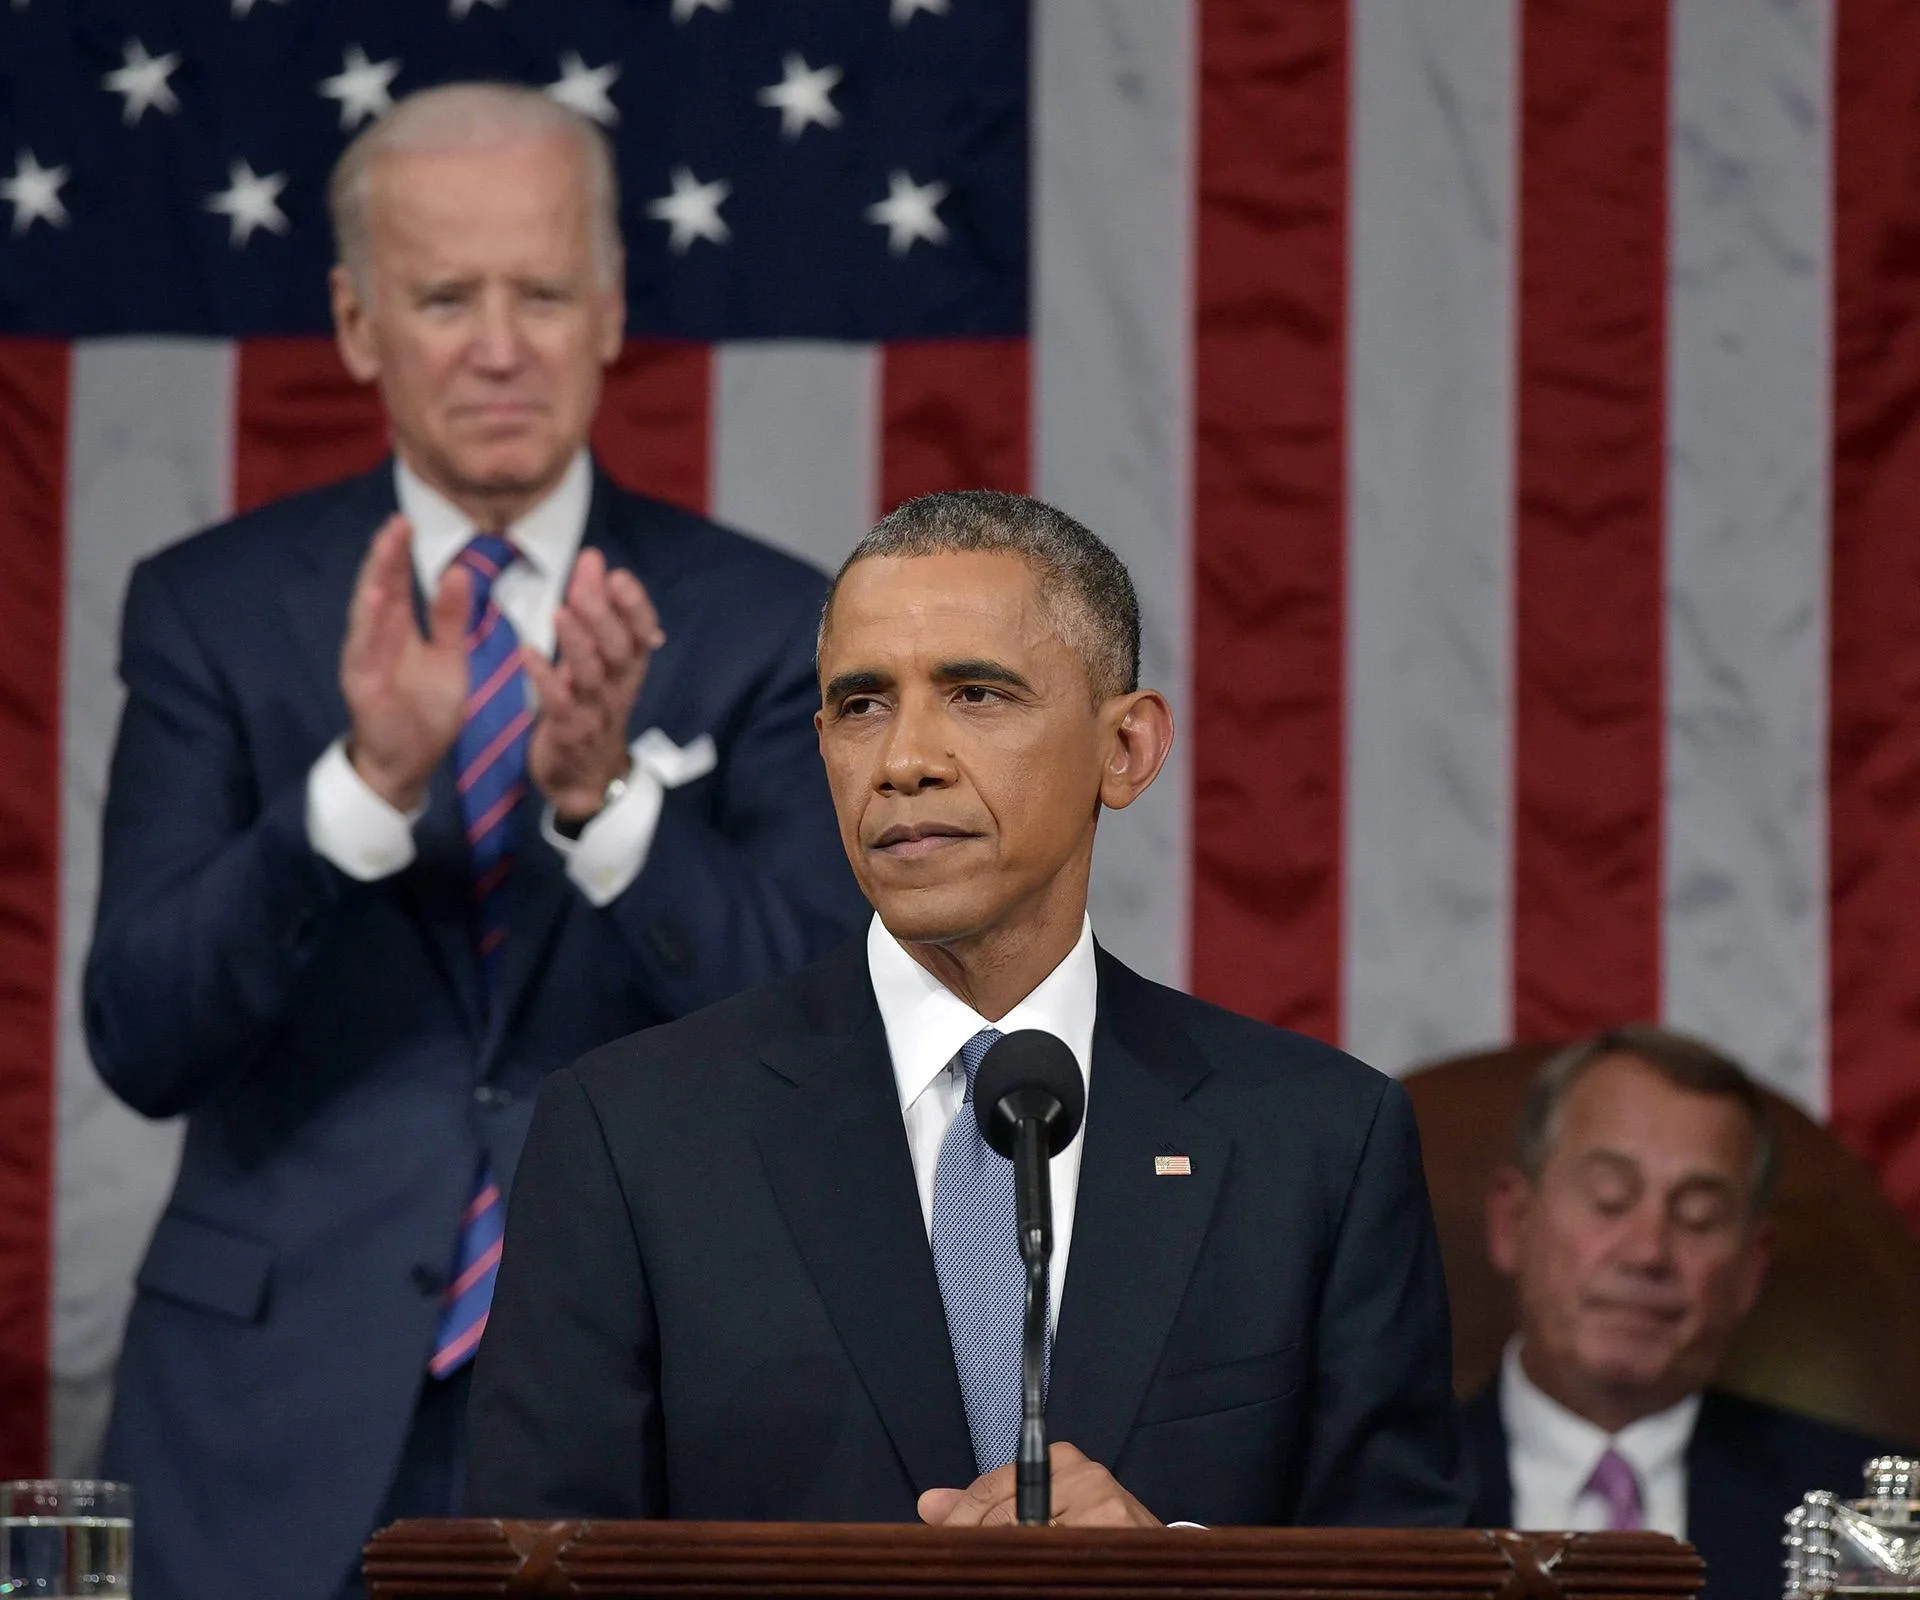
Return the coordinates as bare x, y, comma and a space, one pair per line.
468, 116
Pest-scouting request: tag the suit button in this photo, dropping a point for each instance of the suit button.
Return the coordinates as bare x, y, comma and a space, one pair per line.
429, 1280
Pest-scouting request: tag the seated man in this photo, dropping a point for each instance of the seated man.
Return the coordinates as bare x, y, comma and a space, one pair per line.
760, 1263
1633, 1223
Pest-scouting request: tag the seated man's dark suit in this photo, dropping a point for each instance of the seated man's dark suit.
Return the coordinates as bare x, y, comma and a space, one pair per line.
1747, 1466
718, 1299
328, 1039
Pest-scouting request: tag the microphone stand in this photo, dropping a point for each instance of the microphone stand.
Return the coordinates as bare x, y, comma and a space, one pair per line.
1033, 1483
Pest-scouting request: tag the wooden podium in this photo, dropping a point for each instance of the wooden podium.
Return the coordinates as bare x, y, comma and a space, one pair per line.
465, 1560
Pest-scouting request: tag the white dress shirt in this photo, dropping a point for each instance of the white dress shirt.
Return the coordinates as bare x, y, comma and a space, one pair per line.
368, 839
1551, 1453
927, 1024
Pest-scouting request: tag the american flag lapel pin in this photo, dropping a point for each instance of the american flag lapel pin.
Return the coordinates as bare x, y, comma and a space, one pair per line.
1172, 1167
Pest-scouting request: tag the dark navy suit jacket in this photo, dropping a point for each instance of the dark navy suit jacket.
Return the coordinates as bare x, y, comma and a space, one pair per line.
1748, 1464
327, 1039
718, 1299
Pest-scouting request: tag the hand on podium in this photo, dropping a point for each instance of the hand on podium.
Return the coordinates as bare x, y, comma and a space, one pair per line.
1085, 1495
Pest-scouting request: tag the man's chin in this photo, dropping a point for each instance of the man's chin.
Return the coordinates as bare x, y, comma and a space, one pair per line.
933, 915
1630, 1364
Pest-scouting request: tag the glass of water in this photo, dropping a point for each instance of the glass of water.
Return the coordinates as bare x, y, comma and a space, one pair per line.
65, 1539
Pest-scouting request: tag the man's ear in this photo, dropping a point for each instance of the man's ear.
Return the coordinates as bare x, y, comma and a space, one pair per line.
351, 329
613, 315
1139, 733
1509, 1207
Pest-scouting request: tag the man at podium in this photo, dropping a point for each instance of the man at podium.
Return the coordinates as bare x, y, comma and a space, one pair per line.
756, 1265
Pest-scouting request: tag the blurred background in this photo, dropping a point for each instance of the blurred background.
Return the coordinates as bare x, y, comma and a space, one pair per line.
1509, 410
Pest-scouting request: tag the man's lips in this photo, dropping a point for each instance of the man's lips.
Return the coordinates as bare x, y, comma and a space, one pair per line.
1638, 1310
911, 841
498, 411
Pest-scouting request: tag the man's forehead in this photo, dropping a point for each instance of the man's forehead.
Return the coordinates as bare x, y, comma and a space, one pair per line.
902, 603
1624, 1106
425, 191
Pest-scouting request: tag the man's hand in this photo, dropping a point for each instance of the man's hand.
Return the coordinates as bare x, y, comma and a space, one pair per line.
406, 693
1085, 1495
607, 632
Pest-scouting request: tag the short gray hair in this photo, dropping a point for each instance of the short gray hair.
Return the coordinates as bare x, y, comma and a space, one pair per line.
1083, 584
468, 116
1682, 1060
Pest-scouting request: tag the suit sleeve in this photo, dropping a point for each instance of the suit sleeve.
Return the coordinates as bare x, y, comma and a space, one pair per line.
1383, 1444
760, 886
565, 1414
212, 902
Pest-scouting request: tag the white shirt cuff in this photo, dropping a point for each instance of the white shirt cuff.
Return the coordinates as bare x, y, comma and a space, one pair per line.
351, 826
613, 847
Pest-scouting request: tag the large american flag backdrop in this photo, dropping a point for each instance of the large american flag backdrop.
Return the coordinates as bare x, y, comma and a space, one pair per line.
1510, 412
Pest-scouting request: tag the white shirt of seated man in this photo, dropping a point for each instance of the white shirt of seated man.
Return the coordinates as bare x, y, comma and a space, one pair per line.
1551, 1454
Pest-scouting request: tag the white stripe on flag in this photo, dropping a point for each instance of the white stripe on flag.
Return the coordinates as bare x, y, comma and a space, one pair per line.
796, 443
1745, 933
1112, 228
149, 460
1431, 253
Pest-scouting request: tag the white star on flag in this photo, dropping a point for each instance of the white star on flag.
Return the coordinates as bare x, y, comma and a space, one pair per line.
585, 88
250, 201
693, 210
361, 87
143, 80
463, 8
34, 191
908, 213
801, 95
683, 10
904, 10
242, 8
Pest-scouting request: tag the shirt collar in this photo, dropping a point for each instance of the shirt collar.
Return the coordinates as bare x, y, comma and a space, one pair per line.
927, 1022
1651, 1444
547, 537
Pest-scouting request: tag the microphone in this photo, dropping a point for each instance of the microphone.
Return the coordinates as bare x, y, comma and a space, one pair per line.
1029, 1098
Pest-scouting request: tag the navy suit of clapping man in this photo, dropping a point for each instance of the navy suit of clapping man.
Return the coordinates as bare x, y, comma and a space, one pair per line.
760, 1263
428, 782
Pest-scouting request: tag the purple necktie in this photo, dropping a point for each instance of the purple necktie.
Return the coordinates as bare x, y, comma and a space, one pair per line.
1615, 1482
491, 758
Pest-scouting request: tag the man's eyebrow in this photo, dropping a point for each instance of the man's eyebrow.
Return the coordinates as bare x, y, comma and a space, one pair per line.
851, 683
979, 672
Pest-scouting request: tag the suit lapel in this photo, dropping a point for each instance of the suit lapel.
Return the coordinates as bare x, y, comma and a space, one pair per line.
1136, 1235
541, 892
835, 1153
438, 889
316, 602
1486, 1440
1729, 1505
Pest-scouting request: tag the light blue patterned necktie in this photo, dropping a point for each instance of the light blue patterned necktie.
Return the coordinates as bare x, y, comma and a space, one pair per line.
983, 1282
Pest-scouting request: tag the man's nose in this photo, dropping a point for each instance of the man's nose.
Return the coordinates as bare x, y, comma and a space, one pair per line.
914, 757
1646, 1239
497, 342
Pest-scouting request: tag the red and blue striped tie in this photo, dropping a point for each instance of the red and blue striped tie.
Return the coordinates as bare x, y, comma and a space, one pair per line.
491, 758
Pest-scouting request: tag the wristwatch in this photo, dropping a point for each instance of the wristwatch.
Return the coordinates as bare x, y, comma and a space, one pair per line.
571, 828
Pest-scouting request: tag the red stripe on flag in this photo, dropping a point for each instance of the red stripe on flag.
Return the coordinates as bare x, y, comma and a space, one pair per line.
1589, 628
301, 421
1269, 507
33, 458
953, 415
656, 420
1874, 754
